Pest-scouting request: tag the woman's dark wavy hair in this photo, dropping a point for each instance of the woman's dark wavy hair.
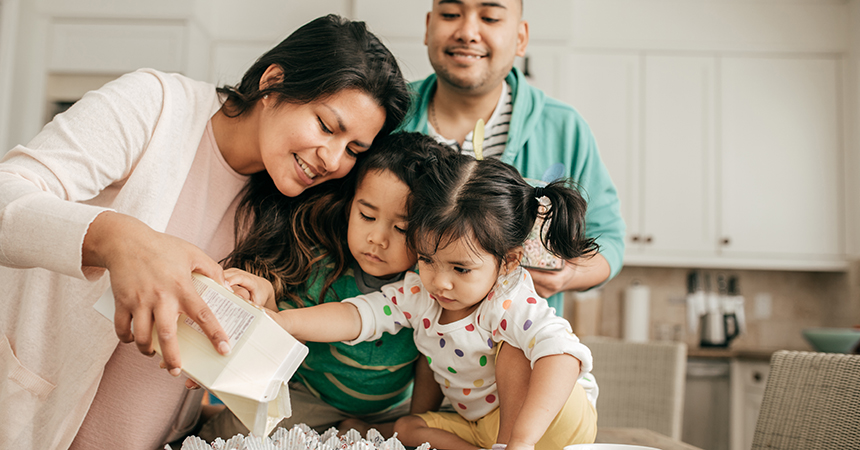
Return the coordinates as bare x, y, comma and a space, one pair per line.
323, 57
489, 204
317, 226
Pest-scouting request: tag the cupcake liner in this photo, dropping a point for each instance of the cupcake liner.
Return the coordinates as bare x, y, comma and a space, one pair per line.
300, 437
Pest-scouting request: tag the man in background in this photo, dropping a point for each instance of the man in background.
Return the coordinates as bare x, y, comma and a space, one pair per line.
471, 45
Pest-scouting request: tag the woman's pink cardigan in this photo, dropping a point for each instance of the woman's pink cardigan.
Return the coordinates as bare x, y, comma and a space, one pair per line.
126, 147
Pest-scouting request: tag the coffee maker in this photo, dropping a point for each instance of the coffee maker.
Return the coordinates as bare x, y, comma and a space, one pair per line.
717, 315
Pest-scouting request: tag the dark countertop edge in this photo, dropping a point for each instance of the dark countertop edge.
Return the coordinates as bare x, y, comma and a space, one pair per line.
740, 353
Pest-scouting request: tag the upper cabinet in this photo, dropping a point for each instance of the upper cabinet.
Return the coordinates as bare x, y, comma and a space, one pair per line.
400, 26
727, 148
605, 89
85, 46
677, 190
781, 157
719, 161
150, 9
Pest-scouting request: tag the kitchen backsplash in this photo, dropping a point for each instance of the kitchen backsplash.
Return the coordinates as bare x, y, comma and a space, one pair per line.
798, 300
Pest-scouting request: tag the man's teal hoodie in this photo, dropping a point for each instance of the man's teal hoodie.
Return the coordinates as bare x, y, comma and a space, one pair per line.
547, 140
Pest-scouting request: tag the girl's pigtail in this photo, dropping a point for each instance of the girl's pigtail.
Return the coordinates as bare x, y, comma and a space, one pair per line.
563, 228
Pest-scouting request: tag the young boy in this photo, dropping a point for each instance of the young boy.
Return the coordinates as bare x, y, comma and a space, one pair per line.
370, 382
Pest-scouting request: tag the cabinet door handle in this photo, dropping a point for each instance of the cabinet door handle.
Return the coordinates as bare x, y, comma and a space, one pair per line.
634, 238
648, 239
725, 241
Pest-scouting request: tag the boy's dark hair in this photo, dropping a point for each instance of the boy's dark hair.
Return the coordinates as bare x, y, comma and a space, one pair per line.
489, 203
318, 223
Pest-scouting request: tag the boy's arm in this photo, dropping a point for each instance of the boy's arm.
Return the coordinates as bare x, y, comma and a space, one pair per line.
551, 383
328, 322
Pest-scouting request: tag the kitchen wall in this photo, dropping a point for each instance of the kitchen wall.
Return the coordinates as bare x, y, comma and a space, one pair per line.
798, 300
219, 39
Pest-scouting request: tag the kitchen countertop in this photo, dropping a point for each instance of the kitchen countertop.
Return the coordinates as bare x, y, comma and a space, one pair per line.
640, 436
752, 354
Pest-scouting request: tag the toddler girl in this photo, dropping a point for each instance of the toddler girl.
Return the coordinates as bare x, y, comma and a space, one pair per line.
467, 222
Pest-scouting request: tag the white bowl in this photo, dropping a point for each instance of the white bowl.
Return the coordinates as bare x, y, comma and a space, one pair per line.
607, 447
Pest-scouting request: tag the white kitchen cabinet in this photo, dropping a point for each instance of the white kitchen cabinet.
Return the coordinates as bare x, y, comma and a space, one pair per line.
393, 19
710, 25
677, 188
262, 21
411, 57
719, 161
605, 89
653, 118
748, 380
781, 157
83, 46
150, 9
230, 60
543, 67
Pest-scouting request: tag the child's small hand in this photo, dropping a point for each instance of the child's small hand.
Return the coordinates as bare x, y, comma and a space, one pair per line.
256, 290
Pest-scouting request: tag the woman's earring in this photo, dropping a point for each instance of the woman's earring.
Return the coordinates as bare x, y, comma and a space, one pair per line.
266, 96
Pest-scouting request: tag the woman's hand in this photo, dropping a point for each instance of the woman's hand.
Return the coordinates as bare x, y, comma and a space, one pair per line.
150, 274
256, 290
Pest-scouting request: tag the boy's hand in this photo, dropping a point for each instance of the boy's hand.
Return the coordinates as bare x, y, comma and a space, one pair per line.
256, 290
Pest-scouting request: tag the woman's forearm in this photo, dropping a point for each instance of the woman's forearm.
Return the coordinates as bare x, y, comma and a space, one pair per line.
328, 322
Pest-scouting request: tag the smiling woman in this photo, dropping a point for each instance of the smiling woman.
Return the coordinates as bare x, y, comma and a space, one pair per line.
152, 177
300, 145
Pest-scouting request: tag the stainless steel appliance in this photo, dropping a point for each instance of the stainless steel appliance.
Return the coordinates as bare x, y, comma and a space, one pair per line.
716, 314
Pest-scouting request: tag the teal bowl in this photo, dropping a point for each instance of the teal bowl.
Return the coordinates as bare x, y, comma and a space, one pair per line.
832, 340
